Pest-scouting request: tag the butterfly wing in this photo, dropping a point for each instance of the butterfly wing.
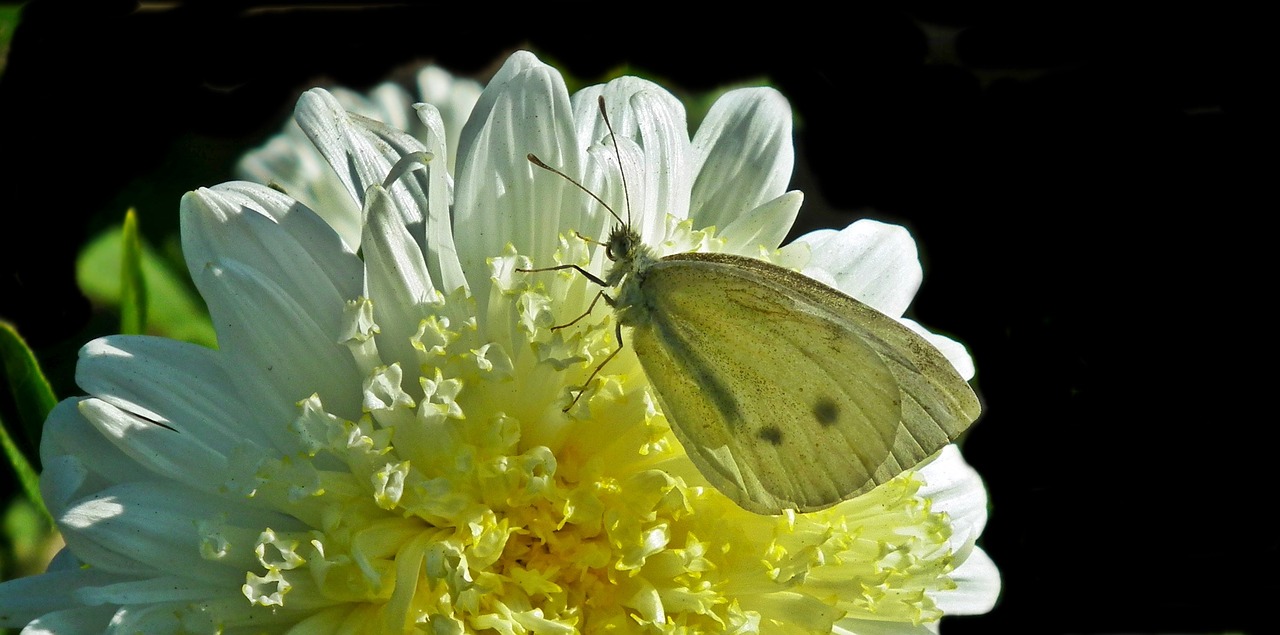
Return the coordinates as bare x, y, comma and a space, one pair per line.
784, 392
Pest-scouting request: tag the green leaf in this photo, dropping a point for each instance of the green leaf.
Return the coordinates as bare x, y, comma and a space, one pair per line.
133, 286
33, 398
28, 478
9, 15
30, 535
32, 394
172, 308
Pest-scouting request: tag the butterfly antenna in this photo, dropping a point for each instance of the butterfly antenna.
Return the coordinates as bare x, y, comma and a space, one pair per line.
626, 196
533, 158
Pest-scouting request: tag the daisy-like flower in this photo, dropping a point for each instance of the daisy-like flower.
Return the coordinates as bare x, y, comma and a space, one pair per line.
379, 443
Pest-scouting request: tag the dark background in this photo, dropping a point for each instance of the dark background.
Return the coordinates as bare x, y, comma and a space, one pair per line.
1077, 180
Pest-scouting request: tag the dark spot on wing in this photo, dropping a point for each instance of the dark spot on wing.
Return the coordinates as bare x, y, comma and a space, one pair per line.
771, 434
826, 411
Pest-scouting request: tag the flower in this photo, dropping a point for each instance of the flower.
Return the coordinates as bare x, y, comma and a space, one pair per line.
379, 443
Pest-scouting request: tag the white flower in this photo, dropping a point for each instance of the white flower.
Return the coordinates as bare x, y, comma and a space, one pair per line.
378, 444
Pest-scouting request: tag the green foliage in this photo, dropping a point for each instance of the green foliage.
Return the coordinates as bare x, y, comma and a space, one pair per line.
118, 270
133, 288
9, 14
33, 399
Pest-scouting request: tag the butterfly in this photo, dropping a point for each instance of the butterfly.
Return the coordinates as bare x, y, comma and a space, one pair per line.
784, 392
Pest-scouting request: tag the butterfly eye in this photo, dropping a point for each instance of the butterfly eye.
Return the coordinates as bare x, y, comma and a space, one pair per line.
620, 244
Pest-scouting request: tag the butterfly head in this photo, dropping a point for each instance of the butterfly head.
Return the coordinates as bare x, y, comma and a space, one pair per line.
622, 243
627, 252
623, 247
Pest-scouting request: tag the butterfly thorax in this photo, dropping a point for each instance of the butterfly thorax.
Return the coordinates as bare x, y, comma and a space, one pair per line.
631, 258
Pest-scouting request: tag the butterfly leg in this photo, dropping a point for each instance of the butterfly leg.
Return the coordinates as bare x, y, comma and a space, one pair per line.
617, 332
590, 276
601, 294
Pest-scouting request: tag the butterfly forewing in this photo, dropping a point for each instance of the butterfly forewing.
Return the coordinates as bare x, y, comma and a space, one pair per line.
786, 393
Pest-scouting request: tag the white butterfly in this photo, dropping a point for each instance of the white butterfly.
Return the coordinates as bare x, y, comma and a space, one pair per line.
785, 393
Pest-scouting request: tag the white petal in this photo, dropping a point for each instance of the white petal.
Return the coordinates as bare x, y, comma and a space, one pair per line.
149, 590
358, 158
977, 586
391, 106
441, 253
364, 152
518, 63
872, 261
62, 479
409, 189
291, 162
454, 98
85, 620
174, 383
277, 351
64, 560
312, 232
655, 121
25, 599
399, 284
763, 227
602, 176
954, 351
164, 453
77, 461
231, 615
105, 534
362, 104
499, 198
743, 155
955, 488
151, 529
394, 267
271, 233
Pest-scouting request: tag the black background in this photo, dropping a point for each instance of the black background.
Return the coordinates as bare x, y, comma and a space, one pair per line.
1079, 181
